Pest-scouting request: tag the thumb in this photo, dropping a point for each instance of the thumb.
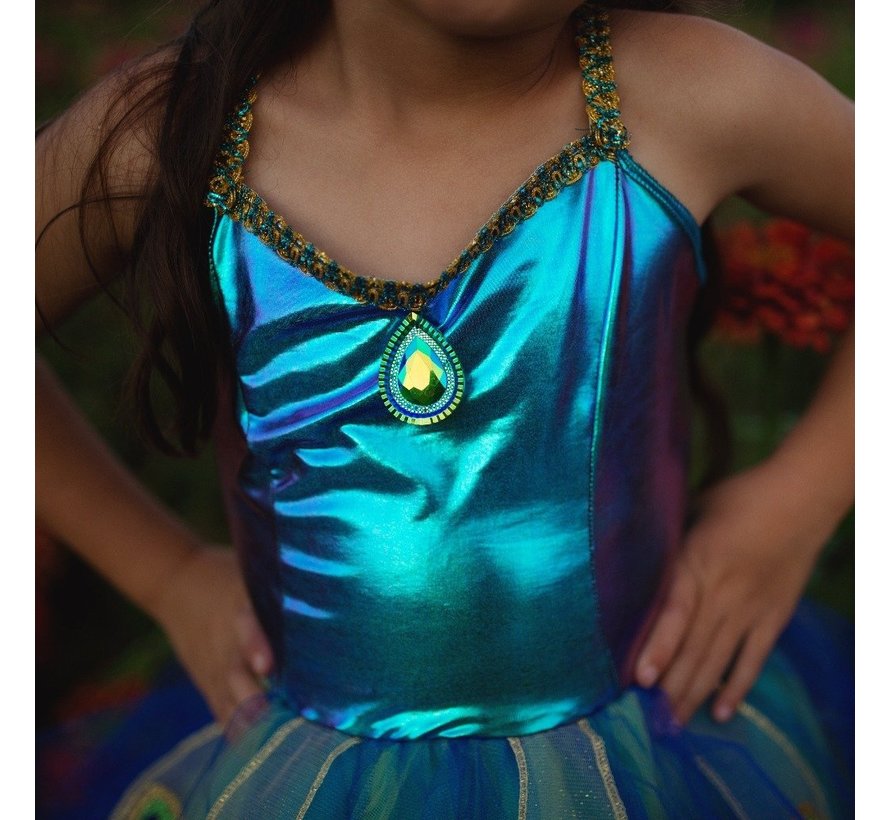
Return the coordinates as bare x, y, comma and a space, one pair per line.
671, 624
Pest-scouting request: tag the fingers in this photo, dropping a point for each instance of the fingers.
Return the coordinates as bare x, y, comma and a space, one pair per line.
686, 667
243, 685
250, 660
692, 644
671, 625
712, 664
240, 685
254, 645
744, 672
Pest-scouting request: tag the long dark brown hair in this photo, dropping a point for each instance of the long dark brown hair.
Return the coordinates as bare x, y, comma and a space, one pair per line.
185, 97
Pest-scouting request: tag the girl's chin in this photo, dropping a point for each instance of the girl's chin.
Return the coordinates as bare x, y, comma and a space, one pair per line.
491, 18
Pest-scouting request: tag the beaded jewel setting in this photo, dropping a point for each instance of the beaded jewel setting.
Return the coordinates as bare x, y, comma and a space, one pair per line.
432, 359
421, 379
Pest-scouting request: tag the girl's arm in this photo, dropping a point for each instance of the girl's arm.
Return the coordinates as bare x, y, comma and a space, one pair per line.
748, 557
740, 117
85, 496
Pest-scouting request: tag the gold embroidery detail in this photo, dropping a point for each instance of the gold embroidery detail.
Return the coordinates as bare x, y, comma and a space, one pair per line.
720, 784
124, 808
323, 773
770, 729
605, 770
522, 765
253, 764
229, 194
598, 79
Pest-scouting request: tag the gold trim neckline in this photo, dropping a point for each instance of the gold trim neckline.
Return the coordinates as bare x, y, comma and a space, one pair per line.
229, 194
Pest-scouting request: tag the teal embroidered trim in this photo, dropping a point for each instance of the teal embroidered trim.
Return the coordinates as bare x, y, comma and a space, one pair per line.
598, 79
229, 194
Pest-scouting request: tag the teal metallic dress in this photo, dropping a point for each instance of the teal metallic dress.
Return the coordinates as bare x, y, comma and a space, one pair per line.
454, 504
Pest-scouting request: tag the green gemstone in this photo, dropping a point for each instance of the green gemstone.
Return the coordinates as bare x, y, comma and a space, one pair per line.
420, 379
422, 373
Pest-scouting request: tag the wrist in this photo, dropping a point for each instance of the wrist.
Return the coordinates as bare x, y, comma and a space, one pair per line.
809, 479
817, 457
807, 509
769, 504
156, 598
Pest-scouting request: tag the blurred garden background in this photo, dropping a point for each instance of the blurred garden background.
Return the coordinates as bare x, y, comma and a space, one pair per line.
788, 294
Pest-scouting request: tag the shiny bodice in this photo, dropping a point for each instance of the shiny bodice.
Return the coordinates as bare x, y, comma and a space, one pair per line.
486, 574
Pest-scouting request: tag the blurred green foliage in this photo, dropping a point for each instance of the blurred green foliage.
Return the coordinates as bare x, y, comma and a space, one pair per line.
94, 633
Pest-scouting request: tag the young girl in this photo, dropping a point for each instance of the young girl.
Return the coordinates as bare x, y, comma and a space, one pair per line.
466, 583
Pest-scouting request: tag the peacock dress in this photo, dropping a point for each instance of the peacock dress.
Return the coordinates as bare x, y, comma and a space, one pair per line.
454, 504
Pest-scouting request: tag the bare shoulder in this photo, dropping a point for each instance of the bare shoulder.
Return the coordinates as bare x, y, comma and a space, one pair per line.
715, 112
118, 117
682, 41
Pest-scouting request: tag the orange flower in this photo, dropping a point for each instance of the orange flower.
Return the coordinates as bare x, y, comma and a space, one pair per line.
783, 278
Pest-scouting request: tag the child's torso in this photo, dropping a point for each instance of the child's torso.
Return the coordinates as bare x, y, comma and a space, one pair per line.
486, 570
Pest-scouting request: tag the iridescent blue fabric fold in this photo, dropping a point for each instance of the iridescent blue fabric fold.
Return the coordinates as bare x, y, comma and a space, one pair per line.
446, 580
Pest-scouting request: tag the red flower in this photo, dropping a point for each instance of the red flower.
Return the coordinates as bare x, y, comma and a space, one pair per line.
784, 279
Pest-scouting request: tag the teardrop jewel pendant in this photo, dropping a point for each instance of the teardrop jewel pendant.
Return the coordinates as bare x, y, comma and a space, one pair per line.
421, 379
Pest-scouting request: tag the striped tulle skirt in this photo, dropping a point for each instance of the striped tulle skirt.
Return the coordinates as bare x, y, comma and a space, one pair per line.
786, 753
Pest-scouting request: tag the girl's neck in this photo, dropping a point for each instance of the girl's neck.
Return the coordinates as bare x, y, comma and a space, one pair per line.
397, 65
